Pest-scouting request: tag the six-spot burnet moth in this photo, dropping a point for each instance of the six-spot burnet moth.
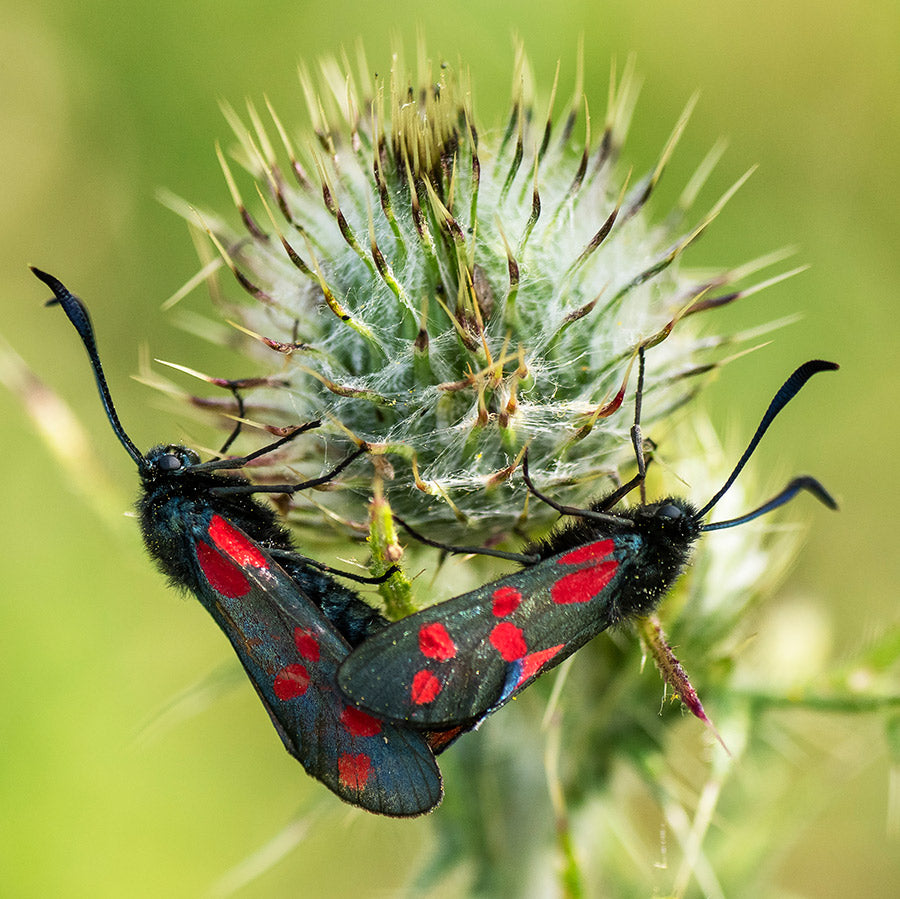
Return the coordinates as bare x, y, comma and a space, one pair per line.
290, 623
457, 661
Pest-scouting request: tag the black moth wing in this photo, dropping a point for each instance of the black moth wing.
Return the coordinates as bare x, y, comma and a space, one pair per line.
455, 662
291, 654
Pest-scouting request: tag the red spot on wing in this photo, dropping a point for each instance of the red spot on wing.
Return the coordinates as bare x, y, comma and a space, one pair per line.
533, 662
505, 601
235, 544
507, 639
223, 576
425, 687
593, 552
436, 643
354, 770
291, 682
583, 585
358, 724
307, 644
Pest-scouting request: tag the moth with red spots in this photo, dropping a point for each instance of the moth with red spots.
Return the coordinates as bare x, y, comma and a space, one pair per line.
460, 660
289, 622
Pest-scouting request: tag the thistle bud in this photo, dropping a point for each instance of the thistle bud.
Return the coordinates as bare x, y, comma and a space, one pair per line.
452, 295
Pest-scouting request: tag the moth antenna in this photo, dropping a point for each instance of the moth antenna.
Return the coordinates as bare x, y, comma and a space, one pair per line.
77, 313
785, 394
804, 482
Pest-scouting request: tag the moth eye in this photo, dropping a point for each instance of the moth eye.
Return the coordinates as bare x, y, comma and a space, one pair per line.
669, 511
169, 462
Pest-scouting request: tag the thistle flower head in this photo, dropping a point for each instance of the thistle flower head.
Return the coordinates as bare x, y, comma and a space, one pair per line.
452, 295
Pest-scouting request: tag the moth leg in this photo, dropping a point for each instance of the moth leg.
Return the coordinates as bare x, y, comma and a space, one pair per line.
238, 425
285, 488
521, 558
300, 559
241, 461
595, 514
643, 449
637, 439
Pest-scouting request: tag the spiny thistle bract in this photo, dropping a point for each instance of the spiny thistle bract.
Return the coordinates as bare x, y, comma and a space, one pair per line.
452, 296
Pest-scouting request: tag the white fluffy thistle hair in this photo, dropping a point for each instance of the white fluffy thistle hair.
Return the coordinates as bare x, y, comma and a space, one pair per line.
452, 292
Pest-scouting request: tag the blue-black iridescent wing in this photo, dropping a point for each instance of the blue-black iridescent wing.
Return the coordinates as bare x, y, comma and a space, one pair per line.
291, 653
455, 662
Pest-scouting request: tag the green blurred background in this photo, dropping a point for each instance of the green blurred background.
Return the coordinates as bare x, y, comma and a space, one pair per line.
103, 103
